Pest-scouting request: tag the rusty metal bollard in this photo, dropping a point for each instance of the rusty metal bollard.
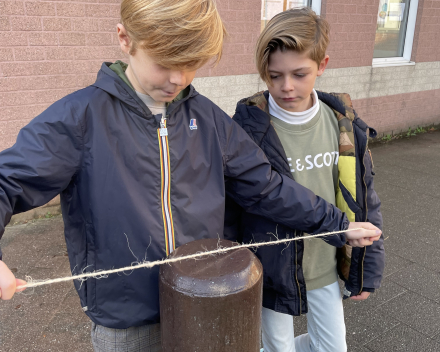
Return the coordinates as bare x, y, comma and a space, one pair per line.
212, 303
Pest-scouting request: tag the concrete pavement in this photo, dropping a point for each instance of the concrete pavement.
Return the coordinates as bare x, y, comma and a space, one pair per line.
404, 315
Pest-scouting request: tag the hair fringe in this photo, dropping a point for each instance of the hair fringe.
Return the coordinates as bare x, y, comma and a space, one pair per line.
183, 34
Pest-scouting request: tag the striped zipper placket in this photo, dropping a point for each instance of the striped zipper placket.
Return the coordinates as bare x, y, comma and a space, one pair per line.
162, 134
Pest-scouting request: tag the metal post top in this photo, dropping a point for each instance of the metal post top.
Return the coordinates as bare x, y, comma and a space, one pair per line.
212, 275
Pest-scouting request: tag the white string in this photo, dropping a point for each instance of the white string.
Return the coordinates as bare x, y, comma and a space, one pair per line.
145, 264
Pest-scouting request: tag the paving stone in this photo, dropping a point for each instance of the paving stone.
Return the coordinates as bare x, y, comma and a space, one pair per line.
410, 179
418, 312
357, 348
413, 249
403, 339
300, 324
386, 293
364, 326
393, 262
419, 280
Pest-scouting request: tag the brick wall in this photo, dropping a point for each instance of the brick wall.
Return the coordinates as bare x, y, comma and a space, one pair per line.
396, 113
426, 43
353, 29
243, 22
50, 48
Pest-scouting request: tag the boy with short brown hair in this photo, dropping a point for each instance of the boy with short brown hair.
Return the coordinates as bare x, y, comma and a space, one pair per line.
141, 156
317, 140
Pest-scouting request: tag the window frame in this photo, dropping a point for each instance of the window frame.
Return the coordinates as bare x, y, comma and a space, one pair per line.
405, 59
315, 5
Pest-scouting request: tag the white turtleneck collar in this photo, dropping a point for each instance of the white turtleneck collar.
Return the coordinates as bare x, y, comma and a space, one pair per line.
294, 118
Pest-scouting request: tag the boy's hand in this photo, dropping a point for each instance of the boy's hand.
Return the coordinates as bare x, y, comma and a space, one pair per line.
8, 282
364, 237
364, 295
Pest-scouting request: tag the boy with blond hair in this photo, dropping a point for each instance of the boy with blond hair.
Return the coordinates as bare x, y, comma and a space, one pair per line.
141, 156
317, 140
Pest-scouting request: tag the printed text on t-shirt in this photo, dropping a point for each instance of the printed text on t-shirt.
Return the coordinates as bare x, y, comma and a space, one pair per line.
318, 161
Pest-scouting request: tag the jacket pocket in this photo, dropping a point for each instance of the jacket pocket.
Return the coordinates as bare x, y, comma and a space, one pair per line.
352, 204
343, 258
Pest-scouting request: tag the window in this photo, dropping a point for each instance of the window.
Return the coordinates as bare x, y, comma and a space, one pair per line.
396, 21
270, 8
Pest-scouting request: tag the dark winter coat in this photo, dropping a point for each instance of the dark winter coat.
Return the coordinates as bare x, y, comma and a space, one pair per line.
130, 194
284, 288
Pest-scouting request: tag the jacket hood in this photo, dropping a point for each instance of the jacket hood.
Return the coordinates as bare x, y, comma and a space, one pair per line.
110, 82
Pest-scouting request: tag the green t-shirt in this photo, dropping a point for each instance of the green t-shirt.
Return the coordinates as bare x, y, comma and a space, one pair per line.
312, 152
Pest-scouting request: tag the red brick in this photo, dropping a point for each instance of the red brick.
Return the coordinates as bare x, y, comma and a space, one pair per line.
56, 24
9, 131
349, 9
11, 7
224, 5
72, 38
108, 25
20, 114
332, 19
87, 53
70, 9
229, 16
24, 83
241, 37
99, 39
328, 8
4, 24
40, 8
60, 53
45, 67
6, 54
241, 5
42, 39
29, 54
86, 25
13, 39
26, 23
239, 27
34, 97
99, 10
246, 15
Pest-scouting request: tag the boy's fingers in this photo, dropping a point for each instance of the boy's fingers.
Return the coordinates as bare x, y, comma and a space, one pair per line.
361, 242
6, 293
369, 233
20, 282
369, 226
7, 282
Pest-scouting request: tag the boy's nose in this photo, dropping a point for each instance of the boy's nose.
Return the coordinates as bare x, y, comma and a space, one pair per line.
177, 78
287, 85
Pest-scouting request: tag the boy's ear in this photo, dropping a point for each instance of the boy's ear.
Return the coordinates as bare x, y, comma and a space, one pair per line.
124, 39
323, 65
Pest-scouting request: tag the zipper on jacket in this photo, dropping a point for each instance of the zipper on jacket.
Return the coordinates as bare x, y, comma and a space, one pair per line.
296, 275
165, 186
366, 216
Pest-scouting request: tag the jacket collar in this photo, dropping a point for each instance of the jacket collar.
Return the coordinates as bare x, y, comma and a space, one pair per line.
109, 81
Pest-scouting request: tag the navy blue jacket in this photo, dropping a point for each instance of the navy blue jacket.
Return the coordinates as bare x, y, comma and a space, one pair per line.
119, 179
284, 288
